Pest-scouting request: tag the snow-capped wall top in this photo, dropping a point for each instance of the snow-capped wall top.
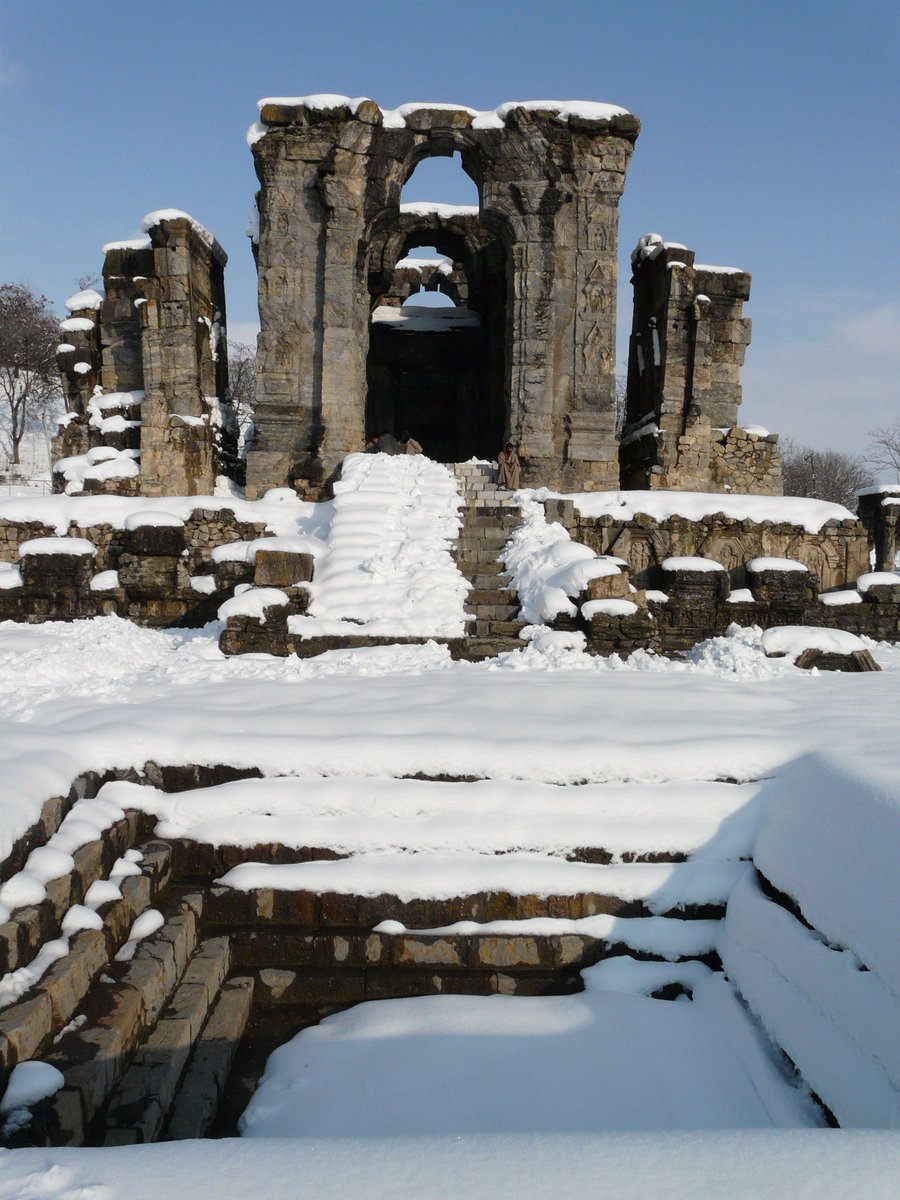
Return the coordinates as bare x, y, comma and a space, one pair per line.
76, 324
87, 298
812, 515
57, 545
690, 563
138, 243
431, 208
775, 564
714, 270
176, 214
398, 118
650, 246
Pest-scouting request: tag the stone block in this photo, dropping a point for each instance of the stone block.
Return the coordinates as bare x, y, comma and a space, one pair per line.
154, 541
24, 1026
282, 568
68, 980
53, 574
149, 577
309, 986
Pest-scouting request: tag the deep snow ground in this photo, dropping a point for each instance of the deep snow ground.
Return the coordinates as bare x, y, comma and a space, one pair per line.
105, 693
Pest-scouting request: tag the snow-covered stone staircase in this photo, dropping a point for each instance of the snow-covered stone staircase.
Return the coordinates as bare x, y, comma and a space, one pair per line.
492, 607
282, 900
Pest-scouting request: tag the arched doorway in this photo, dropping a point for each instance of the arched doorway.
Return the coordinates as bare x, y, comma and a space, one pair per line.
436, 362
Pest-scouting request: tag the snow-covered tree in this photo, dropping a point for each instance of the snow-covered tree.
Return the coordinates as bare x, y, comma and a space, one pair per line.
29, 382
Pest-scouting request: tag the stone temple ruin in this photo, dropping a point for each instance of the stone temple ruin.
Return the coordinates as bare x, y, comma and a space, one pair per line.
534, 267
669, 527
526, 352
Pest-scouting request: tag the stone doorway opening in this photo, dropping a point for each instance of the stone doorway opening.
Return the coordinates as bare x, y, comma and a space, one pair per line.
437, 354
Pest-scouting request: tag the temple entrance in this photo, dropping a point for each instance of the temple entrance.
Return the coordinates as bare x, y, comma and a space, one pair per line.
429, 374
437, 333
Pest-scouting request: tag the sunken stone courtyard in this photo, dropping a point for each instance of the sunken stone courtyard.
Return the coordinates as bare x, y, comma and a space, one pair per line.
355, 792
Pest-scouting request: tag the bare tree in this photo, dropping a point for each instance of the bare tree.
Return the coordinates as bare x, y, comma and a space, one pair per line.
621, 397
29, 382
823, 474
242, 386
884, 448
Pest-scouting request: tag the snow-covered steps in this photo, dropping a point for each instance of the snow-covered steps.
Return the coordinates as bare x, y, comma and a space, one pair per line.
493, 608
387, 569
294, 819
428, 890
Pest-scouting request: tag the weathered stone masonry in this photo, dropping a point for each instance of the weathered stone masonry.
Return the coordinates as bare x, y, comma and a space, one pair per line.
330, 186
688, 341
159, 330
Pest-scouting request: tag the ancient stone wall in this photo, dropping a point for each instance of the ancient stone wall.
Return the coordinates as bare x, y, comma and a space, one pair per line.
688, 341
836, 555
699, 605
549, 184
161, 575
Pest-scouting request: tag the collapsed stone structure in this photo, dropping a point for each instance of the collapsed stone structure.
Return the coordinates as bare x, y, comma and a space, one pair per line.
529, 353
687, 347
539, 259
145, 368
526, 352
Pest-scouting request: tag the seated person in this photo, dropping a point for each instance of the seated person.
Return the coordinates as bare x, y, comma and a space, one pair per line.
508, 468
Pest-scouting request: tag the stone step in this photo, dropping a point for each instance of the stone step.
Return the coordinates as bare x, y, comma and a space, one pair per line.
48, 1006
477, 649
122, 1007
488, 595
30, 926
280, 988
326, 912
489, 627
141, 1102
509, 947
197, 1102
492, 612
490, 575
476, 555
481, 518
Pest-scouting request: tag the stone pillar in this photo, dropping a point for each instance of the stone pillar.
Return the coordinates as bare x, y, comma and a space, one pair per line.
557, 184
183, 316
688, 341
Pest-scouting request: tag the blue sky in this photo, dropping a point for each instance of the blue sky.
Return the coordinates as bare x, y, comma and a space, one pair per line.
769, 142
